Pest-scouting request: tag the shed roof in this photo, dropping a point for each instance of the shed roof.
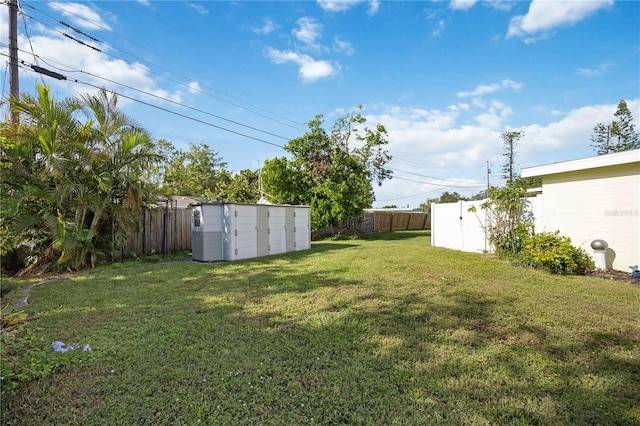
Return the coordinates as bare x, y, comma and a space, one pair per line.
618, 158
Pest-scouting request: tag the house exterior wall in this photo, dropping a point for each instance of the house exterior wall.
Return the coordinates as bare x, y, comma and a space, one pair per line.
600, 203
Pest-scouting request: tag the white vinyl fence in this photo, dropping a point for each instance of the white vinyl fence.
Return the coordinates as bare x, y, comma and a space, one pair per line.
454, 226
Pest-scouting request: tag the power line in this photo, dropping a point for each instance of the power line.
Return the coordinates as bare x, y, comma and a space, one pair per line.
439, 184
182, 115
62, 77
58, 76
244, 107
408, 196
425, 176
186, 106
52, 74
26, 31
98, 25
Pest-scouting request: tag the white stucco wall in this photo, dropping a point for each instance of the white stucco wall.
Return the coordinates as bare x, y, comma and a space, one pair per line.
598, 203
595, 198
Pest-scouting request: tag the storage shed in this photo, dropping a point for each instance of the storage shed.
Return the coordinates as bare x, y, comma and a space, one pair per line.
595, 198
232, 231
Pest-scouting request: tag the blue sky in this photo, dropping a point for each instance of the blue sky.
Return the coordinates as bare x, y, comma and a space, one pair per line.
445, 78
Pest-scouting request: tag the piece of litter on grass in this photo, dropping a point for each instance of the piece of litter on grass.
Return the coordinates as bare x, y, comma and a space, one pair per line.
59, 346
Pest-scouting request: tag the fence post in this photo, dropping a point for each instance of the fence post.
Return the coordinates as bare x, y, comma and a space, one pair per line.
164, 228
144, 232
175, 229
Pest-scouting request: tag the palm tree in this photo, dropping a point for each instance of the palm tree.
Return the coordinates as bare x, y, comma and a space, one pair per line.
73, 187
44, 153
123, 152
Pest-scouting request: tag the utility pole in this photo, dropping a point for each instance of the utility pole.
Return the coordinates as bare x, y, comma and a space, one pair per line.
14, 84
488, 173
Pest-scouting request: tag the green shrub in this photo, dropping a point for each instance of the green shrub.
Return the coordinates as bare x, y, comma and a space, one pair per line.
555, 253
508, 245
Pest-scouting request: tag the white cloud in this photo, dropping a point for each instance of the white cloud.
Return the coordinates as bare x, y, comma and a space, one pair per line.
495, 116
572, 131
199, 8
543, 16
344, 5
337, 5
504, 5
308, 31
462, 4
432, 135
444, 145
61, 50
444, 154
594, 72
438, 29
484, 89
194, 87
310, 70
374, 7
343, 46
81, 15
268, 27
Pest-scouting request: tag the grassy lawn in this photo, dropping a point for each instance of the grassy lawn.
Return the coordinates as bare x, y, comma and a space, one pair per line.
367, 331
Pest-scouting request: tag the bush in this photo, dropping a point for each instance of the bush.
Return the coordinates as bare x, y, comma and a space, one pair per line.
555, 253
508, 245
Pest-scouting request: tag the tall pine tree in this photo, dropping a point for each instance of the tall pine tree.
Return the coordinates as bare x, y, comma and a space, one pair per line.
619, 135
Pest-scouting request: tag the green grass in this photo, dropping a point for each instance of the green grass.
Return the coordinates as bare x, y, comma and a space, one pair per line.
384, 330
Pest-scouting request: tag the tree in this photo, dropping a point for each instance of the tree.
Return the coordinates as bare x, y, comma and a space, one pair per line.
510, 142
509, 217
72, 188
123, 152
331, 172
445, 197
243, 187
198, 172
619, 135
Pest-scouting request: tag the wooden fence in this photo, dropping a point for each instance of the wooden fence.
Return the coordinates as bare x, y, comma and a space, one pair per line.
167, 231
380, 221
399, 221
163, 230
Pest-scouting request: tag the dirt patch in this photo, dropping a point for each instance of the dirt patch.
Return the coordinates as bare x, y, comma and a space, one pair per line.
619, 276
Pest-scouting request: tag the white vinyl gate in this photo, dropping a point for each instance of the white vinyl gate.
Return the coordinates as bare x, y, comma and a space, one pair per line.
454, 226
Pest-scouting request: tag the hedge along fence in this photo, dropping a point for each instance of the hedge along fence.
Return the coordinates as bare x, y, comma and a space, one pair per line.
163, 230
